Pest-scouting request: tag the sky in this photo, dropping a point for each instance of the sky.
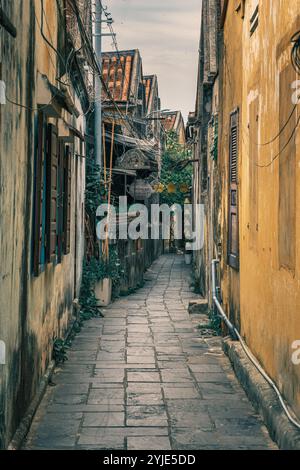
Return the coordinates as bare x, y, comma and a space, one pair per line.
167, 34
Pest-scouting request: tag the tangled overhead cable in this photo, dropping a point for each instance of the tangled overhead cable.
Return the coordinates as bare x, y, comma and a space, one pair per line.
296, 52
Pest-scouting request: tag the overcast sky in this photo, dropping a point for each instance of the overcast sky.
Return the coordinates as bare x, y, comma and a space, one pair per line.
167, 34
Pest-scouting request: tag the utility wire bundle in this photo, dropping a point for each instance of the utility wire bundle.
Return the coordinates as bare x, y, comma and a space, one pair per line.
296, 52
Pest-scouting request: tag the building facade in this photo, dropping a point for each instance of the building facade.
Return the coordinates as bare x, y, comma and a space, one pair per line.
173, 121
44, 100
245, 136
133, 149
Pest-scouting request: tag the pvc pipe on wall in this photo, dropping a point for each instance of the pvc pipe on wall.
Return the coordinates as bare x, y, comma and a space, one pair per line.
217, 303
247, 351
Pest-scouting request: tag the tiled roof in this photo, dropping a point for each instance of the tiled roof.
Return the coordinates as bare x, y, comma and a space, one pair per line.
170, 120
117, 72
173, 121
148, 82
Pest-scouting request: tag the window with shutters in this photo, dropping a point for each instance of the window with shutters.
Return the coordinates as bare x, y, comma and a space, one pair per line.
52, 192
67, 201
39, 229
60, 199
233, 222
52, 197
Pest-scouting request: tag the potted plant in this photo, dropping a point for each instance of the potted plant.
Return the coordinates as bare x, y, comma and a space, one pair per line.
108, 276
103, 291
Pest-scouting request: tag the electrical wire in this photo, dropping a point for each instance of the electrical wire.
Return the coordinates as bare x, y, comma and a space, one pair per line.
273, 139
40, 108
281, 130
282, 150
50, 45
295, 54
250, 355
44, 36
95, 66
268, 379
121, 62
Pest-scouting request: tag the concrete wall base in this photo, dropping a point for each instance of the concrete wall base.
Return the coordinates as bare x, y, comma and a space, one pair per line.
23, 429
199, 306
263, 397
25, 424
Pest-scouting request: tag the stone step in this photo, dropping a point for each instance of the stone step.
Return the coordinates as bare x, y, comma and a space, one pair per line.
199, 306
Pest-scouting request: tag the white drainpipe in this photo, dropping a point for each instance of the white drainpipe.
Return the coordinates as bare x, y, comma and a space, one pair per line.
215, 299
247, 351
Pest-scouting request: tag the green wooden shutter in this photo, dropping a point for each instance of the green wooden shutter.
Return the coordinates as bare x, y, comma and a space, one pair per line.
39, 194
52, 184
60, 200
233, 222
67, 200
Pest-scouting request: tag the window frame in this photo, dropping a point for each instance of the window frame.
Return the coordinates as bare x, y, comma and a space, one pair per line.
233, 257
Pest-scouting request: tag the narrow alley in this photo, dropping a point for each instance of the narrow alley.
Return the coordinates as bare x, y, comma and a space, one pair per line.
149, 227
143, 377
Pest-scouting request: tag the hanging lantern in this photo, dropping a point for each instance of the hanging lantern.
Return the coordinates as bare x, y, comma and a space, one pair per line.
184, 188
171, 188
159, 188
140, 190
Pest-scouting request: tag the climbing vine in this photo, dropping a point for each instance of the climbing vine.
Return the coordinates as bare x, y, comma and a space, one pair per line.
88, 303
95, 189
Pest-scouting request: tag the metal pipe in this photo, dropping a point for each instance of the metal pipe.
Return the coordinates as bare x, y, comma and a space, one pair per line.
247, 351
222, 314
98, 84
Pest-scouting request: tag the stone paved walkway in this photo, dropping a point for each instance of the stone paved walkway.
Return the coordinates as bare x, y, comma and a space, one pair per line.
144, 378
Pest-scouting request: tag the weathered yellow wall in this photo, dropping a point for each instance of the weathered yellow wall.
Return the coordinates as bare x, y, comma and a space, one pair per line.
270, 292
230, 99
33, 311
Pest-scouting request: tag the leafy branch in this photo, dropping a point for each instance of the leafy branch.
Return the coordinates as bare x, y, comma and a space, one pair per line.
174, 155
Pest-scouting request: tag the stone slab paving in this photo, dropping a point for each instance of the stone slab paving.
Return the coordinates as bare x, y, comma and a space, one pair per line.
144, 378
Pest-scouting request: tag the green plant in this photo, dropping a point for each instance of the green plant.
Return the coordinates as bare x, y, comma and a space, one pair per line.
172, 172
95, 270
110, 268
214, 144
88, 303
95, 188
214, 323
77, 327
59, 353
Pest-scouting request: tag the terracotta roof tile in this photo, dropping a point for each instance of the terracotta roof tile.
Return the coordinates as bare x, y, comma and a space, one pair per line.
170, 120
117, 72
148, 81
